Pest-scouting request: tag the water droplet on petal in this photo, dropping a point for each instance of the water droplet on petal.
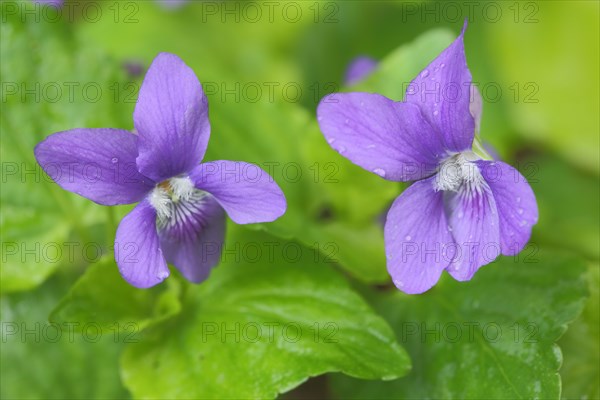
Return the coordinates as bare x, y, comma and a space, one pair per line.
162, 275
341, 150
398, 283
520, 211
424, 74
436, 112
330, 140
460, 214
407, 237
523, 223
518, 199
389, 256
346, 121
371, 146
114, 160
442, 65
379, 172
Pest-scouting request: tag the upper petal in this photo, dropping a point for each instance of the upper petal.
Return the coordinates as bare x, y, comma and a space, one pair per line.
473, 219
416, 238
171, 117
137, 249
98, 164
246, 192
443, 91
516, 203
193, 239
390, 139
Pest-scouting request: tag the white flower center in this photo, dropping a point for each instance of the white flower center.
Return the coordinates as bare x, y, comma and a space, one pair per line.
167, 193
457, 170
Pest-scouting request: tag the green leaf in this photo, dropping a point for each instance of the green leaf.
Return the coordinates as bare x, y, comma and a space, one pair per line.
44, 227
102, 296
568, 218
42, 360
492, 337
580, 371
269, 317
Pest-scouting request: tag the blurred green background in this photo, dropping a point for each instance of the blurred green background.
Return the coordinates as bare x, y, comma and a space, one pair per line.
537, 66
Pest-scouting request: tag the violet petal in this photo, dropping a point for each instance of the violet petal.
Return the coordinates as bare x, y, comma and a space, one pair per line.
171, 117
390, 139
98, 164
473, 218
137, 248
443, 91
194, 239
516, 203
246, 192
416, 236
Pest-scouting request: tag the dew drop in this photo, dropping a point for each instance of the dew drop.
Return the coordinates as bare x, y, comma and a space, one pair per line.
436, 112
371, 146
379, 172
398, 283
518, 199
520, 211
407, 237
389, 256
449, 228
424, 74
114, 160
330, 140
346, 121
342, 150
523, 223
162, 275
442, 65
460, 214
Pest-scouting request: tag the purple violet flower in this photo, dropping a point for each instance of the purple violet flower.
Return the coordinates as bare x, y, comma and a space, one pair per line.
181, 215
358, 69
53, 3
172, 4
134, 68
464, 209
